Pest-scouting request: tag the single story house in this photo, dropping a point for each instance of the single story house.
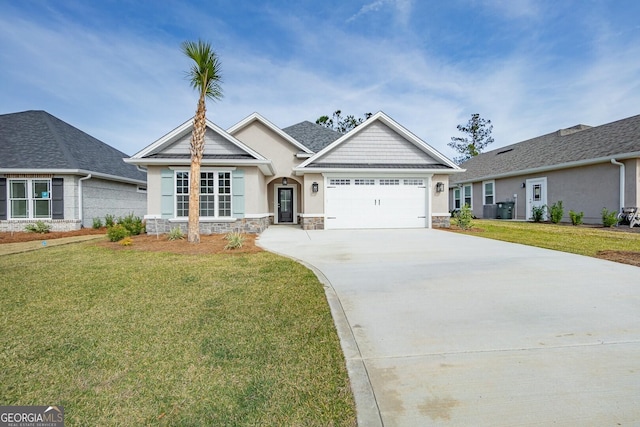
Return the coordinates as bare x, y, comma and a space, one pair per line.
587, 168
53, 172
378, 175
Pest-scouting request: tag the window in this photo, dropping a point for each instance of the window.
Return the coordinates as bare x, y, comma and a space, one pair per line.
215, 194
389, 182
456, 198
413, 182
30, 198
488, 190
364, 181
339, 181
467, 195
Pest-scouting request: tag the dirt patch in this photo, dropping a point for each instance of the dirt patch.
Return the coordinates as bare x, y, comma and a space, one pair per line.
21, 236
625, 257
209, 244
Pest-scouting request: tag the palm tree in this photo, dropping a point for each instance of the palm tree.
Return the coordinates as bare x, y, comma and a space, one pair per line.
205, 77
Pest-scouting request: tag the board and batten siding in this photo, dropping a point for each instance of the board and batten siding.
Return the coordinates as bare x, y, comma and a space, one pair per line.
378, 143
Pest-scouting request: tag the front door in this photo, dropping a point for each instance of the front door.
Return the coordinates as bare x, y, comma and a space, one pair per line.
285, 204
536, 195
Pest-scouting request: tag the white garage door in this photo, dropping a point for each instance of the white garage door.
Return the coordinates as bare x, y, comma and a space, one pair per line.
375, 203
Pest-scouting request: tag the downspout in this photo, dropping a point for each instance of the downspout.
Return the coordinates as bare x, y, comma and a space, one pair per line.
80, 198
622, 172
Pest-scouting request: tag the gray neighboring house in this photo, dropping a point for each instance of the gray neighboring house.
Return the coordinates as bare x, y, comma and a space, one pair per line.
587, 168
53, 172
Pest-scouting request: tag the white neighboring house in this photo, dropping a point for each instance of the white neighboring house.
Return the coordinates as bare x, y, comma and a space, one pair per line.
53, 172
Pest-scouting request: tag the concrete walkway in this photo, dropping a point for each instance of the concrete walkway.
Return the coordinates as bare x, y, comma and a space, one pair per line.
447, 329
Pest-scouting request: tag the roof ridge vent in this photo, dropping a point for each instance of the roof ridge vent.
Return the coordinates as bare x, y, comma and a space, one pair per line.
573, 129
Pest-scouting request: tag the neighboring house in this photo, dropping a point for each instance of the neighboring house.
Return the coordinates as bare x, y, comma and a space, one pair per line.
379, 175
52, 172
587, 168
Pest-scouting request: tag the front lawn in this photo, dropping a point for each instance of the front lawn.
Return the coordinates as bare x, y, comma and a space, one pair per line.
147, 338
583, 240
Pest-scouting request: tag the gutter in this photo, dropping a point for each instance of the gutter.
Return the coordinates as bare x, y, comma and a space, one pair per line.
80, 197
622, 182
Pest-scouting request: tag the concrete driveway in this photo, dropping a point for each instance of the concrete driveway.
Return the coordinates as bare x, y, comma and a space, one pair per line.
440, 328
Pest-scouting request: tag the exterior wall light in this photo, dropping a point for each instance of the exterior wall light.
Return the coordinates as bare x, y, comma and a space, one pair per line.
440, 187
284, 181
314, 187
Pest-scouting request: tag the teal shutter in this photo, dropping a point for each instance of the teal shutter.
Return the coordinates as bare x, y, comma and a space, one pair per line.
166, 193
237, 190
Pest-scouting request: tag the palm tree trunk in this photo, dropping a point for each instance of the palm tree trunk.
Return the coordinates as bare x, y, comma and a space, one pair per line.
197, 150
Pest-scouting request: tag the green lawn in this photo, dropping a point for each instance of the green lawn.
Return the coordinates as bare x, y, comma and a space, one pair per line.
142, 338
575, 239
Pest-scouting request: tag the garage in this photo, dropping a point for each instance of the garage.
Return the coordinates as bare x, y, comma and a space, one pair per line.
375, 202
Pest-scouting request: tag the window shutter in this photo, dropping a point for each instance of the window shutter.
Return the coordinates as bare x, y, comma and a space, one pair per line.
3, 198
167, 184
237, 190
57, 198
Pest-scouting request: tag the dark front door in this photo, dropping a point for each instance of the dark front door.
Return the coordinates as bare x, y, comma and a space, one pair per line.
285, 204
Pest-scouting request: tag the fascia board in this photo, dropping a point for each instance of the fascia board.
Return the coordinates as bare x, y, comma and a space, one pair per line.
74, 172
257, 116
587, 162
266, 166
385, 171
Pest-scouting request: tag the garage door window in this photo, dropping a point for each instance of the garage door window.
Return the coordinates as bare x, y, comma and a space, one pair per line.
418, 182
389, 182
364, 181
339, 181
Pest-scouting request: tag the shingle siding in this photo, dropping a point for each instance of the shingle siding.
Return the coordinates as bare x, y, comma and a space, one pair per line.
214, 145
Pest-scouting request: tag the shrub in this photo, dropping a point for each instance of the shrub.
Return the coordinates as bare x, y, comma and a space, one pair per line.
576, 218
175, 234
109, 220
609, 218
117, 232
537, 213
133, 224
127, 241
97, 223
235, 240
556, 212
463, 218
38, 227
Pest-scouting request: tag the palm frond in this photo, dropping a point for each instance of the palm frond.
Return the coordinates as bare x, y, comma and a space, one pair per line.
205, 72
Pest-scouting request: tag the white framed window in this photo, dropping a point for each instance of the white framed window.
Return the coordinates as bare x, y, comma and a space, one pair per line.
30, 198
413, 182
389, 182
488, 192
215, 194
456, 198
364, 181
339, 181
467, 191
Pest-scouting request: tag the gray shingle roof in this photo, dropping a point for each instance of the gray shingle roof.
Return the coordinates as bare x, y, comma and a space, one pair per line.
37, 140
575, 144
313, 136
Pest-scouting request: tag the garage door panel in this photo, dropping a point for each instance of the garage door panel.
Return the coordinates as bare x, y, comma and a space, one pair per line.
376, 206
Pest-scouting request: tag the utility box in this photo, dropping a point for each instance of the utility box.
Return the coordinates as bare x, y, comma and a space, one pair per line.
505, 210
489, 211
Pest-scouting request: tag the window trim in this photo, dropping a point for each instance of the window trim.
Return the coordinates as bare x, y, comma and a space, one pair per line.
30, 199
464, 195
457, 200
216, 194
493, 192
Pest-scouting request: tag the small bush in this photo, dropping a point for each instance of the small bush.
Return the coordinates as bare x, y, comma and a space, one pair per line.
127, 241
463, 218
537, 213
576, 218
175, 234
133, 224
97, 223
109, 220
117, 232
38, 227
609, 218
556, 212
235, 240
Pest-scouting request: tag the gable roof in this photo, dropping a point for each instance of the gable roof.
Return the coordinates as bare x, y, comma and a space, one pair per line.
257, 117
575, 146
37, 141
221, 149
379, 143
314, 136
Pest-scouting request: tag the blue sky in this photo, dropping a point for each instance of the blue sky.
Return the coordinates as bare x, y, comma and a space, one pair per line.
114, 69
